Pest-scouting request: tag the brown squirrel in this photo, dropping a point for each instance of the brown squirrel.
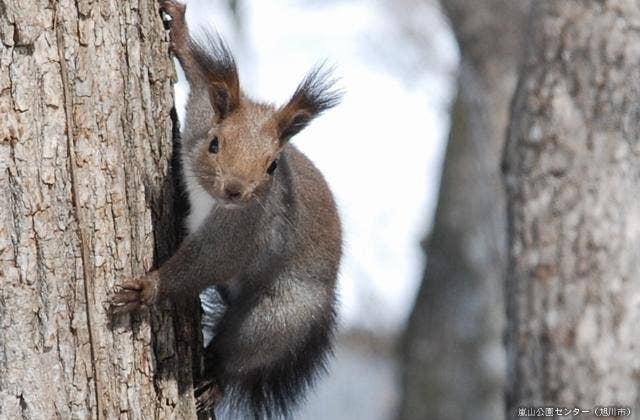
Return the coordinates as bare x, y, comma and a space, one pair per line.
263, 228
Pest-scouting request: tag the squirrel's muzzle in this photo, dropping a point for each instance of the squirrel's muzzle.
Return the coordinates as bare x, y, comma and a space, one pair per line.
233, 191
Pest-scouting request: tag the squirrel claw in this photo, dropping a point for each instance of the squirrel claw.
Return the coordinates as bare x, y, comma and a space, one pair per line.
125, 308
132, 285
207, 395
173, 9
135, 294
173, 17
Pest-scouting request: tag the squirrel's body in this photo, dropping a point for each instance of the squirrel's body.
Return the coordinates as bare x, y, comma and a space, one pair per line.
269, 239
280, 302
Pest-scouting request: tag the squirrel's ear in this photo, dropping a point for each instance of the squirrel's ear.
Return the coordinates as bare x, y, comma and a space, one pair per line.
220, 73
314, 95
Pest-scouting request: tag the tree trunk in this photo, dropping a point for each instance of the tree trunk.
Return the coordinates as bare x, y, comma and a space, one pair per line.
572, 167
85, 203
454, 359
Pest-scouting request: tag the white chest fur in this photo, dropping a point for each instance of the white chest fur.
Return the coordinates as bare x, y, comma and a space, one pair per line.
200, 202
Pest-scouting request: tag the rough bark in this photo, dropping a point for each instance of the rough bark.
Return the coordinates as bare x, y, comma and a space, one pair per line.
572, 167
85, 202
453, 353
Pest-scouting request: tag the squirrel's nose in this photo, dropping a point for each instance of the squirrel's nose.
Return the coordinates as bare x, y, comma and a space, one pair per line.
233, 191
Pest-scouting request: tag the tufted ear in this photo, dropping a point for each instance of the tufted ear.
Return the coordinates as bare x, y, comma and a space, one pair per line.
314, 95
218, 68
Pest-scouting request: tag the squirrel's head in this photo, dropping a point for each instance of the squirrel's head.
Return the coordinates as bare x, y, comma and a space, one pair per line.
236, 160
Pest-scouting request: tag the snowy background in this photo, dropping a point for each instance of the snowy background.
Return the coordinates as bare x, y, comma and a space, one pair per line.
381, 151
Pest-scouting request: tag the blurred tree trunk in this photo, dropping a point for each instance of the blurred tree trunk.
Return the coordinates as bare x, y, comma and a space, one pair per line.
572, 166
85, 202
453, 354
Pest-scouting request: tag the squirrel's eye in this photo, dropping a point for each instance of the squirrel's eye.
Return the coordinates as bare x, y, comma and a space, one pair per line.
213, 146
272, 167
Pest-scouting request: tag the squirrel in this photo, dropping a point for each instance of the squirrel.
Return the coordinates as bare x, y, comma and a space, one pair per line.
263, 228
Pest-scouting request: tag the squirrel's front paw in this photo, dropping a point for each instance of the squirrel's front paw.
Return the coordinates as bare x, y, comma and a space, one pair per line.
174, 20
136, 293
207, 394
174, 9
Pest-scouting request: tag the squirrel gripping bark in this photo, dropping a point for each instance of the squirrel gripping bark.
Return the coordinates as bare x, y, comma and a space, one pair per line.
263, 228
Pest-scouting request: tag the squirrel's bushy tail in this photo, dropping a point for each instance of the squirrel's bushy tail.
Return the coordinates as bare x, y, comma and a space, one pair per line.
269, 392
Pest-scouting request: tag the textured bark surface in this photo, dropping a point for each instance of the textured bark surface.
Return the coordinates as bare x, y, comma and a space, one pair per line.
572, 169
85, 202
454, 359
